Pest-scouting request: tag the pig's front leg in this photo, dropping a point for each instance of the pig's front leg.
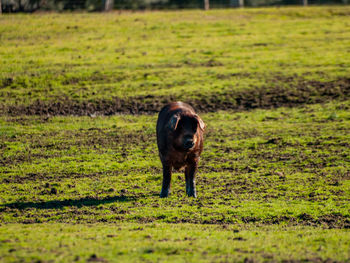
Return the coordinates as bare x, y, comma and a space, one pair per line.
166, 180
190, 173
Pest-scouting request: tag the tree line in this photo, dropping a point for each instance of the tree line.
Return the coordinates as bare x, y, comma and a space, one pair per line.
9, 6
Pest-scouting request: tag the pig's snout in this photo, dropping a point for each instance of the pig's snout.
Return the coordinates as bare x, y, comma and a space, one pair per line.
188, 143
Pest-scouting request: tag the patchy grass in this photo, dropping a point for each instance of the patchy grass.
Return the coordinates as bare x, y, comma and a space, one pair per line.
170, 243
186, 55
273, 184
285, 166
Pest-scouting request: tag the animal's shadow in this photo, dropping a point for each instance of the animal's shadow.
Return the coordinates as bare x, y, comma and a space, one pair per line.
54, 204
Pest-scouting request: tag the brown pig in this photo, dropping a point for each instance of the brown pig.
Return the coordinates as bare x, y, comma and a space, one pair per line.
180, 143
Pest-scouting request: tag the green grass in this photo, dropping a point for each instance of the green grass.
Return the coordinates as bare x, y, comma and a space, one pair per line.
259, 167
185, 54
273, 184
170, 243
287, 167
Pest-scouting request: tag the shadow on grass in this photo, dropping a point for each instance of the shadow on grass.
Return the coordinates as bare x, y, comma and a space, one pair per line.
86, 201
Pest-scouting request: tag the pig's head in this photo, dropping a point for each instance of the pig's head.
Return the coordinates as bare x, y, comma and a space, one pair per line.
186, 129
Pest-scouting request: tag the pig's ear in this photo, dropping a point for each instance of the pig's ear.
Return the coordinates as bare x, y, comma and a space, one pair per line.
174, 121
200, 122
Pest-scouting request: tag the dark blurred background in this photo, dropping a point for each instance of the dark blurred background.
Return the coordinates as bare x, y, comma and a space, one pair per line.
9, 6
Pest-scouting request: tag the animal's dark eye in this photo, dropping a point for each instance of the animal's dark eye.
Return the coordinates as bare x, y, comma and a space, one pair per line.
194, 125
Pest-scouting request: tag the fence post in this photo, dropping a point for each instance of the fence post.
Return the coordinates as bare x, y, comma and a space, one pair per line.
0, 8
206, 4
305, 3
109, 5
241, 3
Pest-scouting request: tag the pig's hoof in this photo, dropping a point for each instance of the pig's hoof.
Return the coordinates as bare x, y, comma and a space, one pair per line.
192, 194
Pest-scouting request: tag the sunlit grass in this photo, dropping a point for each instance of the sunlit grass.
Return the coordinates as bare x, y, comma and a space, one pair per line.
87, 57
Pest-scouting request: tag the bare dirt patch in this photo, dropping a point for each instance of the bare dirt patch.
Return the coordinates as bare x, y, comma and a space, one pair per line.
281, 91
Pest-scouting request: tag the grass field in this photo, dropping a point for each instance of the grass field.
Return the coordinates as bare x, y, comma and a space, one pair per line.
273, 88
215, 60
